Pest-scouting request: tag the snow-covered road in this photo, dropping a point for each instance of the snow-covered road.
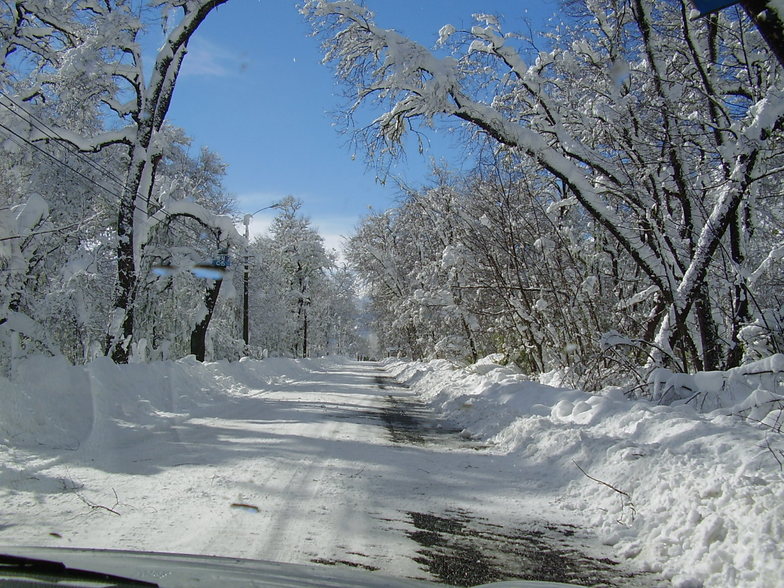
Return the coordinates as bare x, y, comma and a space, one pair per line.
333, 464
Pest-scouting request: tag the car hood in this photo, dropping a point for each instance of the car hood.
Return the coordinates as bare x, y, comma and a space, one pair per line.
170, 570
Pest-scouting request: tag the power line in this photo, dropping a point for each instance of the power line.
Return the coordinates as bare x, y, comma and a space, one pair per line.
172, 218
16, 137
52, 134
61, 162
70, 148
46, 231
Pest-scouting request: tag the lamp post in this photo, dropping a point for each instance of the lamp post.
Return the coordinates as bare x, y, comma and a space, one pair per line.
246, 273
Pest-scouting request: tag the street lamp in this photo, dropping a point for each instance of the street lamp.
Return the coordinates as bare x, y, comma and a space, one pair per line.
246, 222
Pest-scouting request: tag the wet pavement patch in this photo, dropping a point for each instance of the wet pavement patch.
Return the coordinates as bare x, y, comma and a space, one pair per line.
409, 421
387, 382
402, 423
464, 551
343, 562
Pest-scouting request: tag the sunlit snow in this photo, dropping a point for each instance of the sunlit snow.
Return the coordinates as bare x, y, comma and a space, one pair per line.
287, 460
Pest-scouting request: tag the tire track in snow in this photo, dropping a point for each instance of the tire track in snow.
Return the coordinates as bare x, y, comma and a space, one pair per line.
310, 488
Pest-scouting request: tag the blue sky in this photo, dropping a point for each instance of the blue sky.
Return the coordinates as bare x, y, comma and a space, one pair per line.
253, 89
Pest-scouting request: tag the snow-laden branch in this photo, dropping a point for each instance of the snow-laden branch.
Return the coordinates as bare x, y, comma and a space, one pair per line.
121, 109
489, 41
83, 143
424, 86
774, 256
21, 323
639, 118
531, 142
221, 226
129, 73
169, 58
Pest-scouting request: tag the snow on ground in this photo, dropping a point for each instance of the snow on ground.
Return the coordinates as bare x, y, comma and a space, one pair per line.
286, 460
281, 460
221, 459
696, 497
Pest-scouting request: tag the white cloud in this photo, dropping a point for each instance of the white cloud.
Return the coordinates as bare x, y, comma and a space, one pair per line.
259, 224
334, 238
334, 229
337, 243
251, 201
206, 58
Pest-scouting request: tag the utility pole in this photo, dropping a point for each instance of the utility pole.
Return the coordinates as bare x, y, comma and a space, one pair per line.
246, 274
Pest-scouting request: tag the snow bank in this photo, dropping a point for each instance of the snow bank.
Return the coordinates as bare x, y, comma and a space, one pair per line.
53, 404
696, 497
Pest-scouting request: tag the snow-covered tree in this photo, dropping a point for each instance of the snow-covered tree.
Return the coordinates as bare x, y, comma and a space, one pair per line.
186, 261
768, 15
337, 319
53, 272
485, 266
72, 57
381, 253
60, 272
664, 130
292, 298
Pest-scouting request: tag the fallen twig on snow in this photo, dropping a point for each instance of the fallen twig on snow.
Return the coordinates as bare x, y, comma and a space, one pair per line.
624, 504
95, 506
776, 452
244, 506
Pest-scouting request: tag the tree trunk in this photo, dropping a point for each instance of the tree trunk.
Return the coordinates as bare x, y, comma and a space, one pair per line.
199, 333
149, 120
740, 312
709, 337
305, 333
119, 338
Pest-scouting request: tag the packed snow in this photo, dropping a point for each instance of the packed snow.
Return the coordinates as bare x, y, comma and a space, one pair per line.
286, 460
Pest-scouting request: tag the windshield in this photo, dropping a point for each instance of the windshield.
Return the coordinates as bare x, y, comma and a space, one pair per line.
456, 292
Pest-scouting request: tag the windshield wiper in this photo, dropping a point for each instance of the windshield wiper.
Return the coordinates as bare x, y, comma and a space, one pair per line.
28, 567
